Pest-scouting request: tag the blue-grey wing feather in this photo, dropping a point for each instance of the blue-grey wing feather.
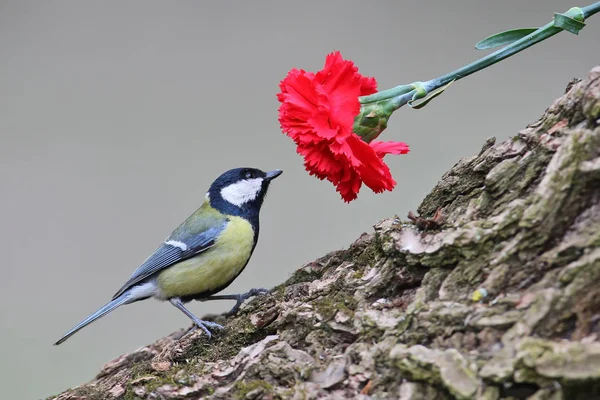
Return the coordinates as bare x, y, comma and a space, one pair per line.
166, 255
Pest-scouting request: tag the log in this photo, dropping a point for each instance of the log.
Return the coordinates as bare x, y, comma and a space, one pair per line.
492, 291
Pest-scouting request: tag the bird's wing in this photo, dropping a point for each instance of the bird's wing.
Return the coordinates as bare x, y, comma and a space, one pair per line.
173, 251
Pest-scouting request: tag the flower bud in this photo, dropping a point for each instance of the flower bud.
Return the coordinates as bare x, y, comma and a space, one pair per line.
372, 119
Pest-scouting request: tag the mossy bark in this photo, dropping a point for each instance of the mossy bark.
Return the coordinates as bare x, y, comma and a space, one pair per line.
500, 300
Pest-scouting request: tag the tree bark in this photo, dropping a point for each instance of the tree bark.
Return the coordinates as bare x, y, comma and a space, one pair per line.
493, 292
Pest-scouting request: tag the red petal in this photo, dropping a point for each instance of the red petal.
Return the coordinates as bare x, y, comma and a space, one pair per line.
319, 161
383, 148
373, 171
368, 86
317, 111
350, 187
340, 82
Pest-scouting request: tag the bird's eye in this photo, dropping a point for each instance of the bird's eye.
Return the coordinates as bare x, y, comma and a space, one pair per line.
248, 175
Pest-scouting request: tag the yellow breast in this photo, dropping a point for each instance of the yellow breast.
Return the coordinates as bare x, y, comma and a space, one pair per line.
213, 269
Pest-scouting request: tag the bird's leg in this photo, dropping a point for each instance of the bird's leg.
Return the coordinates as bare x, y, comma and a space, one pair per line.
204, 325
239, 298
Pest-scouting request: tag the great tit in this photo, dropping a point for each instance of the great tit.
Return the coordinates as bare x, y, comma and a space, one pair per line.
204, 254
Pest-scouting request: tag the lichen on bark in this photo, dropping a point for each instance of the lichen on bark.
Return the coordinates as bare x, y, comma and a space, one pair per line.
501, 300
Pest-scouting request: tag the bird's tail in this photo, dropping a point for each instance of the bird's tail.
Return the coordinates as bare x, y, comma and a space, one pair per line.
119, 301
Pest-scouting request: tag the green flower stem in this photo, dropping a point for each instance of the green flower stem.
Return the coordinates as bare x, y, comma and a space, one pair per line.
403, 94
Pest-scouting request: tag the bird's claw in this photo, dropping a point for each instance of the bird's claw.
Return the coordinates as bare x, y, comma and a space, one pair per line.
204, 325
212, 325
256, 291
240, 298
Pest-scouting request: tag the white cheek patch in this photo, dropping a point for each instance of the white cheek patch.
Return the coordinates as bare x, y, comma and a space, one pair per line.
241, 192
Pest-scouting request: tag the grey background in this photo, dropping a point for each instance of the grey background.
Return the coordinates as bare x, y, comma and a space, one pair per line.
116, 116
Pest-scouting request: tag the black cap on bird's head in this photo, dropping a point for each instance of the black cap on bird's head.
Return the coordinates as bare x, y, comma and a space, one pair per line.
241, 189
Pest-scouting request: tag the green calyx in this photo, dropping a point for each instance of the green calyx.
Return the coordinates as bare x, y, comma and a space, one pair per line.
373, 119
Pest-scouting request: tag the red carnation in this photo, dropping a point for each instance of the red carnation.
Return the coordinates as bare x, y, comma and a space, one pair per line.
318, 110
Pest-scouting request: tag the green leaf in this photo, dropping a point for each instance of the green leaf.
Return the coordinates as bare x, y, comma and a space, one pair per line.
426, 100
567, 23
502, 38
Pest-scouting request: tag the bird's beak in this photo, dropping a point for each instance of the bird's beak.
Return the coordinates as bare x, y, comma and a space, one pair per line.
273, 174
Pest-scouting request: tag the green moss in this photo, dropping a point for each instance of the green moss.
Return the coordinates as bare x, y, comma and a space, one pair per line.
279, 291
549, 209
429, 289
303, 275
178, 375
534, 169
158, 380
141, 369
592, 109
550, 121
503, 176
289, 393
370, 331
404, 324
240, 333
129, 395
145, 370
242, 388
328, 306
358, 274
370, 254
372, 334
338, 299
87, 392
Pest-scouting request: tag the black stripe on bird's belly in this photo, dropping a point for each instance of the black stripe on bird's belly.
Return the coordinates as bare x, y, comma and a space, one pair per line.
253, 219
252, 216
250, 212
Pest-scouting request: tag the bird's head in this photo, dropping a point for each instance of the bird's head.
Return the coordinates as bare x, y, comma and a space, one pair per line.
241, 189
